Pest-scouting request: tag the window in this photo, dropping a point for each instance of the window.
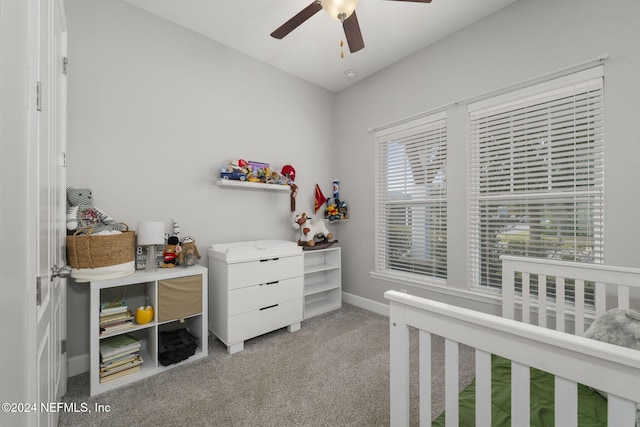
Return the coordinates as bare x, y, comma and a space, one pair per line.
536, 175
411, 199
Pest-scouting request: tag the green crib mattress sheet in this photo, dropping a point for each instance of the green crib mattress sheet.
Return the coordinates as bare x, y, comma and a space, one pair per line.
592, 407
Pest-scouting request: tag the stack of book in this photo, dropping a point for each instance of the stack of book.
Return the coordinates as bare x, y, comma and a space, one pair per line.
115, 316
119, 356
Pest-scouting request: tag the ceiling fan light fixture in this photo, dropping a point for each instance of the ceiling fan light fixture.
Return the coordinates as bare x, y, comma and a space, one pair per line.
339, 9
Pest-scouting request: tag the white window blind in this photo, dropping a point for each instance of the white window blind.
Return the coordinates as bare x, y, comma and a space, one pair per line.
411, 199
536, 175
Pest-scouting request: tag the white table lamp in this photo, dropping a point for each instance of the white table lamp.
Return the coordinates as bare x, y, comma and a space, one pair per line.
150, 233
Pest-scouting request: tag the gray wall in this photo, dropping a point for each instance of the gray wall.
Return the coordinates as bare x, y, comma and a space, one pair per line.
155, 110
525, 40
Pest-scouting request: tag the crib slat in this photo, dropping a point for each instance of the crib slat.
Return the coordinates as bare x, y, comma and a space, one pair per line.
526, 297
451, 383
398, 365
424, 373
620, 412
542, 300
483, 389
566, 402
601, 298
623, 296
508, 291
579, 320
520, 395
560, 304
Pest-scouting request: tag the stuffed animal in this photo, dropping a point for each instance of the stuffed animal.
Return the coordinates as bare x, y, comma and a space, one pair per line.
82, 213
189, 252
170, 252
292, 197
310, 230
617, 326
621, 327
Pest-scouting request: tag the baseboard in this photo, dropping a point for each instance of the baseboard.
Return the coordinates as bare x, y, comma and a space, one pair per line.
367, 304
77, 365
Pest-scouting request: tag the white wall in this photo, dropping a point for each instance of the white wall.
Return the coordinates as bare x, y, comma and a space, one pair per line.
155, 110
523, 41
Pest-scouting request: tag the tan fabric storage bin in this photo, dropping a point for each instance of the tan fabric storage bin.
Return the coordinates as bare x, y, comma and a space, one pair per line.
179, 298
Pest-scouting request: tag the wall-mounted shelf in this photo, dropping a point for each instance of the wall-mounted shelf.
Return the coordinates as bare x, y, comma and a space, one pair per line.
230, 183
336, 221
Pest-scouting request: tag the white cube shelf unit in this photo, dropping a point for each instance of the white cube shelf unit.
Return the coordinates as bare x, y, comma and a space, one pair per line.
322, 281
174, 294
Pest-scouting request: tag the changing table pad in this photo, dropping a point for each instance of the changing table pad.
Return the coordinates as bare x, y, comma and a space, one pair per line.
253, 250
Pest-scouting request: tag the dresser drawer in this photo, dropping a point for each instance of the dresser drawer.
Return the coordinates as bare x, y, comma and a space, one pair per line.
252, 298
266, 319
262, 271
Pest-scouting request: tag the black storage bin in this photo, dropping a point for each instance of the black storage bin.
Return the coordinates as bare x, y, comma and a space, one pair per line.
176, 346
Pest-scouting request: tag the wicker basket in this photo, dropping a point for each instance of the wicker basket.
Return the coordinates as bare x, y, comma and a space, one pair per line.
88, 251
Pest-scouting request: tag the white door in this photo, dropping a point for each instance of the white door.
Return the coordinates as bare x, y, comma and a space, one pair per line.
50, 129
59, 285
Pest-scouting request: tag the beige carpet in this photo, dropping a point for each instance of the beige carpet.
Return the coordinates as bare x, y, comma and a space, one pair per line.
333, 372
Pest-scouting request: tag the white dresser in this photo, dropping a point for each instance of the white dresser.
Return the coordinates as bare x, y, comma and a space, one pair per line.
255, 287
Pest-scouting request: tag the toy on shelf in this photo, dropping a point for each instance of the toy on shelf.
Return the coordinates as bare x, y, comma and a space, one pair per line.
170, 252
311, 230
256, 172
277, 178
288, 172
237, 170
82, 214
336, 210
189, 252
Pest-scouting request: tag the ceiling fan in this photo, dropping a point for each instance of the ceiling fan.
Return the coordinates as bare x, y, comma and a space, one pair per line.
341, 10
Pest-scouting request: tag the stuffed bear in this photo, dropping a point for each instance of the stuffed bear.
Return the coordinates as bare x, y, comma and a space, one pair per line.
189, 252
82, 213
171, 252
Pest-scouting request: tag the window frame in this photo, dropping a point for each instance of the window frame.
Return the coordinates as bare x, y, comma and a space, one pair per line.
523, 98
384, 262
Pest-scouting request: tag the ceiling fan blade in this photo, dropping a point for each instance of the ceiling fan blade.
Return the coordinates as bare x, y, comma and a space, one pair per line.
297, 20
352, 33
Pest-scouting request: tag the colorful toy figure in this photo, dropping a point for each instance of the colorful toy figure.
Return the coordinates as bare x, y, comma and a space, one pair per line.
170, 252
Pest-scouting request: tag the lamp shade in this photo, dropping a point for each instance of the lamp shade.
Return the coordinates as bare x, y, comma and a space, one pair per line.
150, 233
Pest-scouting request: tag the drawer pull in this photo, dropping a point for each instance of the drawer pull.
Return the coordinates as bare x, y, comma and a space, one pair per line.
269, 259
271, 306
269, 283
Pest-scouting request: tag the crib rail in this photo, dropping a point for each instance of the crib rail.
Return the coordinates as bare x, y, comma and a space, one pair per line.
571, 359
540, 303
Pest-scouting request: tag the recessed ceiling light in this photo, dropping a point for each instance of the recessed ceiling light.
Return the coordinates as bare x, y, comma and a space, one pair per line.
350, 74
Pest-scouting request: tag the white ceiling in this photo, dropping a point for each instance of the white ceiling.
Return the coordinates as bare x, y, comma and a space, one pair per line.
392, 30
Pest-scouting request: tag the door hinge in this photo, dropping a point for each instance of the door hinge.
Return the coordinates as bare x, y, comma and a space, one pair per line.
63, 160
63, 346
65, 65
39, 291
39, 96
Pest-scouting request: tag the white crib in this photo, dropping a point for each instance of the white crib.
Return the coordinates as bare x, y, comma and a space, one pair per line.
572, 359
